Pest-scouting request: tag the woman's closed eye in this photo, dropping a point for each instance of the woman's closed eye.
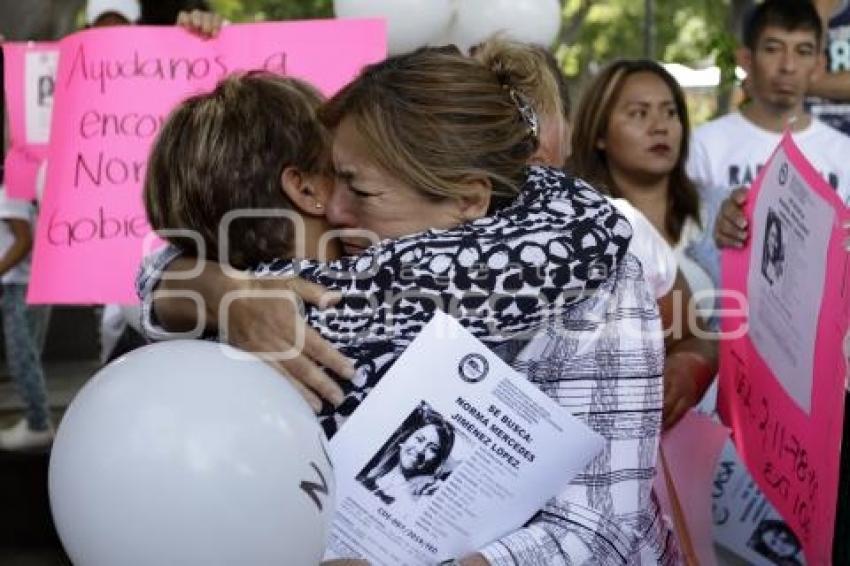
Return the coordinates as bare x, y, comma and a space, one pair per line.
360, 193
347, 179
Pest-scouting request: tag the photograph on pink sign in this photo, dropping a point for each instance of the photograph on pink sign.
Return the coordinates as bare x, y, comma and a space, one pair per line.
780, 391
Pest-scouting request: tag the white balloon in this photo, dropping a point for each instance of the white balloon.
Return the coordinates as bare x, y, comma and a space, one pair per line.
184, 453
531, 21
410, 23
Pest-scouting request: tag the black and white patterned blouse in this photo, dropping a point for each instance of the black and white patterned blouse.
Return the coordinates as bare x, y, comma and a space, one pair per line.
547, 284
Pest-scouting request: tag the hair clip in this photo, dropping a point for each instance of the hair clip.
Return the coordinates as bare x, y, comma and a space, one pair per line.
527, 112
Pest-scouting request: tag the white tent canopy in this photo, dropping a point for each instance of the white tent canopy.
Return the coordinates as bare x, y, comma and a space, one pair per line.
708, 77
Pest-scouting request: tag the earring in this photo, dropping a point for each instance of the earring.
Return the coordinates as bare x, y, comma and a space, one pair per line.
318, 205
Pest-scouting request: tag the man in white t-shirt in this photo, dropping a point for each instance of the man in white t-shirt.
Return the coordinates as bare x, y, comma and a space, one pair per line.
23, 327
782, 55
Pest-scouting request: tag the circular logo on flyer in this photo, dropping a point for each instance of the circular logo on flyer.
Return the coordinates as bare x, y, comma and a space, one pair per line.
473, 368
783, 174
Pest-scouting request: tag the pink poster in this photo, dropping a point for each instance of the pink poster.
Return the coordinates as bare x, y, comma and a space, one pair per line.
29, 78
114, 89
782, 381
685, 482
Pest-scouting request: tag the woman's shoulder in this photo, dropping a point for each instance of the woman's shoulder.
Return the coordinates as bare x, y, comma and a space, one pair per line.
541, 182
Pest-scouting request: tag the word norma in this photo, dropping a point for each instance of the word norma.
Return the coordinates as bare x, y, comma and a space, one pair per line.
112, 170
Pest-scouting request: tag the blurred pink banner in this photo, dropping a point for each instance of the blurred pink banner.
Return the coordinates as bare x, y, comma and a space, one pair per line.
782, 383
691, 450
29, 78
114, 89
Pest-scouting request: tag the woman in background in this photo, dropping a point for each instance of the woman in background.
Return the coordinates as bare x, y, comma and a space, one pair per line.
630, 138
543, 84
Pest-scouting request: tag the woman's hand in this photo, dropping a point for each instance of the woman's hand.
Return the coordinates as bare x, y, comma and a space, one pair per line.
263, 316
687, 375
259, 315
730, 230
201, 23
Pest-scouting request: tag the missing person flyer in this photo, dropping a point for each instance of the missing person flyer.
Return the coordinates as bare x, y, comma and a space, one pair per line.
452, 450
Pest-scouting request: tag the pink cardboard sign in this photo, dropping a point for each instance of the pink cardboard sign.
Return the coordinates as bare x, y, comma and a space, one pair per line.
782, 383
114, 89
691, 450
29, 78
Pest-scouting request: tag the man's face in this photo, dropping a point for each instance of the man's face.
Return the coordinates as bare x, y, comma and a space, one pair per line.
782, 66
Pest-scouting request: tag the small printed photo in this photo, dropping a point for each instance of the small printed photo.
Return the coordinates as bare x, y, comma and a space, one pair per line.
774, 540
773, 251
415, 460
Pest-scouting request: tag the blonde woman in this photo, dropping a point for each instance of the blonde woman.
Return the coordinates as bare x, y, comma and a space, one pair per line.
434, 139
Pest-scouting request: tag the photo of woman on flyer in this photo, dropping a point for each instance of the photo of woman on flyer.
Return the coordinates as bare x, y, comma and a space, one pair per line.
413, 463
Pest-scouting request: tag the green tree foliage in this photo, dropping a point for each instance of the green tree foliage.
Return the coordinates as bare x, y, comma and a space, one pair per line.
259, 10
686, 31
594, 32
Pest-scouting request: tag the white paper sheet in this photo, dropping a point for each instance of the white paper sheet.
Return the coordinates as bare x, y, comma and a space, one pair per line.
404, 499
39, 76
744, 520
786, 278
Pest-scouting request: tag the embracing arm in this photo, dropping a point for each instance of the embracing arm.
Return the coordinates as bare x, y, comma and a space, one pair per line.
501, 277
179, 294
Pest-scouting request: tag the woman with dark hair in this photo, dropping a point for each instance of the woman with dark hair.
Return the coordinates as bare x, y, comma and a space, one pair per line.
773, 252
412, 465
630, 138
631, 135
774, 540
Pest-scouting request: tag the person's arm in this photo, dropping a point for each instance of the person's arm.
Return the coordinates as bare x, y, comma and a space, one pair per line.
832, 86
499, 276
20, 248
825, 8
691, 361
174, 303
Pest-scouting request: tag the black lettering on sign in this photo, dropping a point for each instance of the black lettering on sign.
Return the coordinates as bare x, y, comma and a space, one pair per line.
46, 85
312, 488
275, 63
